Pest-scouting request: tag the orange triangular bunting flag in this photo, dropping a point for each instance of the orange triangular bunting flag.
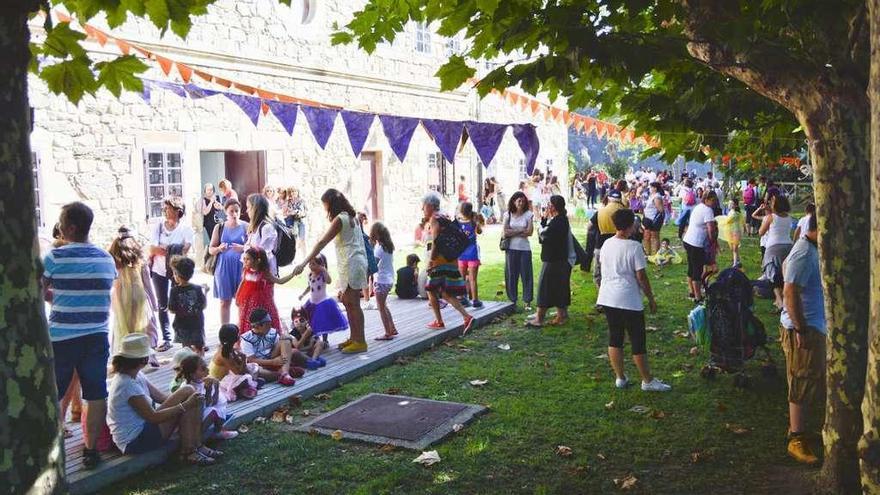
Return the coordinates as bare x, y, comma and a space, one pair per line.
566, 117
545, 112
579, 123
555, 111
534, 106
62, 17
243, 87
164, 63
145, 53
185, 71
123, 46
264, 107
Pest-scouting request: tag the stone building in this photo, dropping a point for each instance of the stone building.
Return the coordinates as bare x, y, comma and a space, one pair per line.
122, 155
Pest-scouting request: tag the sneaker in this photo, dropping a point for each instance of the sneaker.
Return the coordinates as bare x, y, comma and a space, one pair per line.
622, 382
441, 304
528, 308
312, 364
368, 306
286, 380
354, 348
321, 362
226, 435
801, 451
655, 385
477, 304
261, 382
465, 302
90, 458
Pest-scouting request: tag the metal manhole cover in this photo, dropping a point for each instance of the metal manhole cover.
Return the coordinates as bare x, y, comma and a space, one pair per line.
407, 422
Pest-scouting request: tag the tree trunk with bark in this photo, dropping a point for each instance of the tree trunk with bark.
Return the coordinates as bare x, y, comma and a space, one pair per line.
836, 121
869, 445
31, 447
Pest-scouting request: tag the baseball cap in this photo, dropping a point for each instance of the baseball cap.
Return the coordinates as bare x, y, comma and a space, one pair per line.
259, 315
614, 194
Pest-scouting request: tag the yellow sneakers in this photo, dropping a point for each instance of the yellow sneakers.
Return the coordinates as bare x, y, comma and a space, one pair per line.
355, 347
801, 451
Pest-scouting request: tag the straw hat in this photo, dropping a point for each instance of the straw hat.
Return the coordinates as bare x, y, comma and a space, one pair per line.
135, 345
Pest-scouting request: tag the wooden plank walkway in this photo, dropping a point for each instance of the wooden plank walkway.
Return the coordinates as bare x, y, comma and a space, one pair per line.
410, 316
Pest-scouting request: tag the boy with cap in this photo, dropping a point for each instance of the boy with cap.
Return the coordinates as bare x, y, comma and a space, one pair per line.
271, 350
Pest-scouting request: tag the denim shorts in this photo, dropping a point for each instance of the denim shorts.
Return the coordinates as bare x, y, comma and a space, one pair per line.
87, 355
149, 439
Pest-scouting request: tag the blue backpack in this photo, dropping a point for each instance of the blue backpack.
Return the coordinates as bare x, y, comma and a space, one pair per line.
372, 263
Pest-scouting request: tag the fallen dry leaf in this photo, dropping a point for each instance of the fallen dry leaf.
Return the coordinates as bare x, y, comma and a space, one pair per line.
497, 333
457, 427
243, 429
478, 383
323, 396
628, 482
541, 354
658, 414
294, 401
651, 329
306, 412
601, 456
504, 347
392, 391
289, 419
428, 458
602, 356
563, 451
694, 351
336, 435
387, 448
721, 407
313, 432
737, 429
609, 405
259, 420
278, 417
698, 456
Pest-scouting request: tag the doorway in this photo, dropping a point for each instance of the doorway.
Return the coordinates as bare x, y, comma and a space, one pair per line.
246, 170
366, 186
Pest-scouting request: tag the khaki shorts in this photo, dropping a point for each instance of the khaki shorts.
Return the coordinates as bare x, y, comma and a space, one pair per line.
805, 368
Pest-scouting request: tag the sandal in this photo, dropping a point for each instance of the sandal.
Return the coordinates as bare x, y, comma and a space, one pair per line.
209, 452
435, 325
533, 324
385, 337
196, 458
164, 347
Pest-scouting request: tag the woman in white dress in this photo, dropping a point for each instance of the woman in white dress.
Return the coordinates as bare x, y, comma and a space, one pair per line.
351, 258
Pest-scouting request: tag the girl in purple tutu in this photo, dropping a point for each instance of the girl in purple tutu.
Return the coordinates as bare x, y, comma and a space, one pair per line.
323, 312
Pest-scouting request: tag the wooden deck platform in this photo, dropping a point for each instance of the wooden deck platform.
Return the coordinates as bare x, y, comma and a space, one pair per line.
410, 316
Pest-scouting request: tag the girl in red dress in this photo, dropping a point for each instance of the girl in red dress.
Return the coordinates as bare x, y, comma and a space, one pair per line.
257, 289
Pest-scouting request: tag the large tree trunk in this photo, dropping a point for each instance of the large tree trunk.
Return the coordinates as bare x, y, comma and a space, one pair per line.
836, 121
869, 445
31, 448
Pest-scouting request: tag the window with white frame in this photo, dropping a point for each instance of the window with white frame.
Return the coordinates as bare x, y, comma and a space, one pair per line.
422, 41
438, 173
38, 190
453, 46
164, 177
522, 169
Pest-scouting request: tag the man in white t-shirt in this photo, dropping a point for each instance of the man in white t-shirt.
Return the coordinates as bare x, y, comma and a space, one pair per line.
623, 282
701, 243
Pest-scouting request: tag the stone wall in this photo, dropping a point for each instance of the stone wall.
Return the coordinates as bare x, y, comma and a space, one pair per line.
94, 151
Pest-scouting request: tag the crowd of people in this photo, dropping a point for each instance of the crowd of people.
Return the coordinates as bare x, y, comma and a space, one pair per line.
143, 287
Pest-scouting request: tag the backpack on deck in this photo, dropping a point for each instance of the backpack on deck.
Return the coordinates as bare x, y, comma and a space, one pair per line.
285, 247
451, 241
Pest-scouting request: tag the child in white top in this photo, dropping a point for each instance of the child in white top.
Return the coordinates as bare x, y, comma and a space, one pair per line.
383, 249
193, 371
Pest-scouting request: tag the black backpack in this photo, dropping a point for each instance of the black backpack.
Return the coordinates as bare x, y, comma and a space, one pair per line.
285, 248
451, 241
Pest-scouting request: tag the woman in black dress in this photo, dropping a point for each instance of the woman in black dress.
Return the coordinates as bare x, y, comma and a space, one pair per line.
212, 210
554, 282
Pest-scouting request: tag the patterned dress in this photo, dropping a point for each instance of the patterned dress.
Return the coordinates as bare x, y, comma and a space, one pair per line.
255, 292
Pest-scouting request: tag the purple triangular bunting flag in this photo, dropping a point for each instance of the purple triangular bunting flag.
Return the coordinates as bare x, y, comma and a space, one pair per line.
196, 92
446, 134
173, 87
285, 113
527, 138
399, 131
248, 104
146, 93
357, 126
321, 122
486, 138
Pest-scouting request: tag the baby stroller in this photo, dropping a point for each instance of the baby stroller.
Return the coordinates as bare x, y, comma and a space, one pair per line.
731, 331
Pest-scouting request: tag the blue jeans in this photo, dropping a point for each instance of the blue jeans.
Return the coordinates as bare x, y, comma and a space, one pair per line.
518, 266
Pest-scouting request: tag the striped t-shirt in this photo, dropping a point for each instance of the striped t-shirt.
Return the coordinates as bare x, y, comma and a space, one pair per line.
81, 276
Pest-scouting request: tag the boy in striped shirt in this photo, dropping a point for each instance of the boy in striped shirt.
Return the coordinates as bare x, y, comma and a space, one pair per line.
77, 279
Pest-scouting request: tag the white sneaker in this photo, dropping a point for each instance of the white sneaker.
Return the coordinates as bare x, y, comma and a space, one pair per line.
369, 305
655, 385
622, 382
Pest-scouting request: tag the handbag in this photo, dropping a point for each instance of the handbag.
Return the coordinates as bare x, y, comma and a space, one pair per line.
504, 243
211, 259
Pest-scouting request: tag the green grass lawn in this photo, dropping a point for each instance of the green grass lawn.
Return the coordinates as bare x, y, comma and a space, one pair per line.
554, 387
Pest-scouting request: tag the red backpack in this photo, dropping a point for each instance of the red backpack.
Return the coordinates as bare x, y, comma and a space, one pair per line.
690, 198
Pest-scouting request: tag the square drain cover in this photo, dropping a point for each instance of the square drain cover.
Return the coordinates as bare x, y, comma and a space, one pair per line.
407, 422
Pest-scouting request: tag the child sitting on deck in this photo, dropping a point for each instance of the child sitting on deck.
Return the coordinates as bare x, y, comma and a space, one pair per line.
305, 341
238, 378
193, 371
407, 279
271, 350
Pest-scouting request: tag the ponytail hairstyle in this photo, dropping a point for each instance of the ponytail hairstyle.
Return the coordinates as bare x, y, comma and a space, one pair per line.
188, 367
126, 250
260, 262
379, 234
228, 338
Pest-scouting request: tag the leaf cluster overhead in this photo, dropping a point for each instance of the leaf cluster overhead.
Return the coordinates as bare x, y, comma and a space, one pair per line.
631, 59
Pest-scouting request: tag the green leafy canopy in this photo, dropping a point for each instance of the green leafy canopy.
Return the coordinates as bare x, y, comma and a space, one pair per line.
631, 59
62, 61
